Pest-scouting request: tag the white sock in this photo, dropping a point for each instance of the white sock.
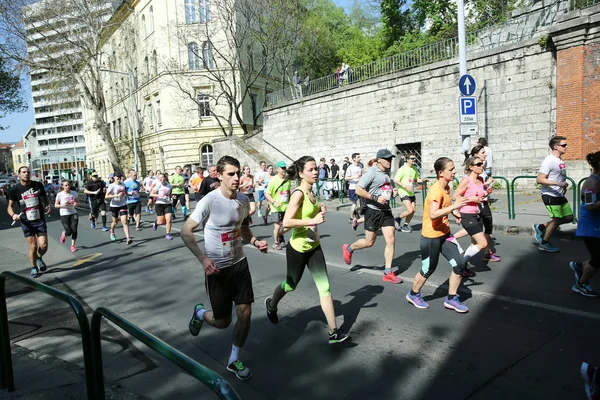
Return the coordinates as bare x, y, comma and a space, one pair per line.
235, 350
471, 251
200, 314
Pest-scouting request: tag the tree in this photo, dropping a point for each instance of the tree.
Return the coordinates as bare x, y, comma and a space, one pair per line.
396, 19
11, 99
63, 39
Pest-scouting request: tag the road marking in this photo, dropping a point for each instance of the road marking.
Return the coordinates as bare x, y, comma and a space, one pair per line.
88, 258
486, 295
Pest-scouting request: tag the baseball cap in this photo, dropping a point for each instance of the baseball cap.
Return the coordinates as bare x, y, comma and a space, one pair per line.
94, 174
280, 164
111, 175
384, 153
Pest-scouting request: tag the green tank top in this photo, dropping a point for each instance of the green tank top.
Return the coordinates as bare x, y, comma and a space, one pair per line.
306, 238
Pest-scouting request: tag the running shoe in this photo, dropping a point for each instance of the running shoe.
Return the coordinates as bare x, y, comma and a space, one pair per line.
392, 278
147, 210
196, 323
112, 236
347, 254
240, 370
154, 226
547, 247
337, 336
417, 300
186, 216
129, 241
93, 224
405, 228
584, 289
138, 228
276, 246
259, 214
467, 273
265, 219
34, 273
398, 223
41, 265
73, 249
271, 314
589, 374
455, 304
63, 237
105, 229
577, 268
491, 257
174, 216
168, 237
538, 233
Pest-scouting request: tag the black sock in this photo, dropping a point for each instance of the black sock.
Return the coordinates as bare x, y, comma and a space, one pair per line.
544, 241
413, 293
104, 220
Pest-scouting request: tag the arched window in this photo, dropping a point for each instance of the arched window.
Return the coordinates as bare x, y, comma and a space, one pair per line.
147, 65
151, 20
207, 55
206, 154
154, 63
204, 11
144, 32
190, 12
193, 59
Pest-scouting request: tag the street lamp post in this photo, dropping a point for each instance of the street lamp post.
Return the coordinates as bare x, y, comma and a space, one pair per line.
131, 114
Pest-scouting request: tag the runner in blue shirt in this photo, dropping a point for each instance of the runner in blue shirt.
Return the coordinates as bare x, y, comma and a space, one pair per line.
134, 205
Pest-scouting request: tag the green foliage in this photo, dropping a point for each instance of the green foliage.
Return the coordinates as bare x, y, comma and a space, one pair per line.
397, 20
11, 99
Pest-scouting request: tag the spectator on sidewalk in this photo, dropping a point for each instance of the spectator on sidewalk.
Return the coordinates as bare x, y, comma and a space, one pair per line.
335, 175
323, 174
344, 169
489, 159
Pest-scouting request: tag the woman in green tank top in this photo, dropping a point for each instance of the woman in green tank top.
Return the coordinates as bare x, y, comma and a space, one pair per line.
303, 215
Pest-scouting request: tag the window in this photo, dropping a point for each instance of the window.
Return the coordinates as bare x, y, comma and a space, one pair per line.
207, 56
193, 59
150, 116
151, 19
19, 158
203, 105
158, 116
154, 63
206, 153
190, 12
204, 11
147, 66
120, 128
135, 78
145, 33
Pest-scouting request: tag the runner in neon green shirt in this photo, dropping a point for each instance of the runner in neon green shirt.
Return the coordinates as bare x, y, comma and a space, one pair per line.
278, 195
178, 182
406, 179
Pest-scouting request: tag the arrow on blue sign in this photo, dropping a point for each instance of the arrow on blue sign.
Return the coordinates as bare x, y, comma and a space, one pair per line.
467, 85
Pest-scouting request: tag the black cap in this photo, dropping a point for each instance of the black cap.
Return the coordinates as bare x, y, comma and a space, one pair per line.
384, 153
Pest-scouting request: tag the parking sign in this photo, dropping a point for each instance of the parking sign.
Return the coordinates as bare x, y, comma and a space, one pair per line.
468, 110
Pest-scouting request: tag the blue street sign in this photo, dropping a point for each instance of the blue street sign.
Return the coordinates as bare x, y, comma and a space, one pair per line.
468, 110
467, 85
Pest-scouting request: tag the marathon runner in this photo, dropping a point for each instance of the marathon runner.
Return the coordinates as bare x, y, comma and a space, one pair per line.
407, 177
223, 214
186, 176
304, 214
148, 184
247, 187
117, 194
278, 196
134, 202
353, 173
376, 187
163, 204
96, 190
178, 192
32, 202
66, 201
196, 181
209, 183
260, 185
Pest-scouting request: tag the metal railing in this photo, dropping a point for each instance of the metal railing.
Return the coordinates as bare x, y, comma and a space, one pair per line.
7, 381
210, 378
581, 4
573, 185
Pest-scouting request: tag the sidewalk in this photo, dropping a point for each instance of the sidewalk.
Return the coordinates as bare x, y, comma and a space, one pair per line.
529, 209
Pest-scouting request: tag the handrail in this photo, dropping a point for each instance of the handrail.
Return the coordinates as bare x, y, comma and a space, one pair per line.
210, 378
507, 192
7, 381
535, 177
579, 184
340, 191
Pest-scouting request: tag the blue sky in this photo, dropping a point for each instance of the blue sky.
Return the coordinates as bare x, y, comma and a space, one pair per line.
19, 122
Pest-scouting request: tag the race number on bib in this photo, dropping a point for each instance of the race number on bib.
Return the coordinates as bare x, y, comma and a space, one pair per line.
284, 195
32, 206
312, 234
231, 243
386, 191
135, 194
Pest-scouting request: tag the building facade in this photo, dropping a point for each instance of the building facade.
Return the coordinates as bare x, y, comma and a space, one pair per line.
19, 158
166, 82
6, 163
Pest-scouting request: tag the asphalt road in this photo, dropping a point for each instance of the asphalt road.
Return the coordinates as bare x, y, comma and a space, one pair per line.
524, 337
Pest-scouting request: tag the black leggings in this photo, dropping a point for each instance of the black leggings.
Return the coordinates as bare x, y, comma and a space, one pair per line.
592, 244
315, 261
430, 255
69, 222
486, 216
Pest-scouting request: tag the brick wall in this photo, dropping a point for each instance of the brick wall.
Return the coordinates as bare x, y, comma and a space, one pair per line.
591, 99
569, 98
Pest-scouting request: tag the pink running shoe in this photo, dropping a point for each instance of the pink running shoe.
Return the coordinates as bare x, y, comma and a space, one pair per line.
63, 237
346, 254
73, 249
491, 257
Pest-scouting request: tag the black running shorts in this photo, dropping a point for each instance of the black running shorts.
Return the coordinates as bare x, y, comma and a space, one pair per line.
232, 285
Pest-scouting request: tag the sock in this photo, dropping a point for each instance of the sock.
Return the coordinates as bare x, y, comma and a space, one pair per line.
413, 293
104, 220
387, 271
235, 350
541, 227
184, 210
451, 296
544, 241
200, 314
471, 251
350, 249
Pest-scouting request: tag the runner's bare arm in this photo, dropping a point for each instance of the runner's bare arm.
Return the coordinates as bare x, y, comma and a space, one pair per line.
248, 237
542, 179
187, 234
13, 215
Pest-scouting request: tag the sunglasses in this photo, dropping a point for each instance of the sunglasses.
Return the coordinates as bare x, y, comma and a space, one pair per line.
479, 164
413, 158
562, 145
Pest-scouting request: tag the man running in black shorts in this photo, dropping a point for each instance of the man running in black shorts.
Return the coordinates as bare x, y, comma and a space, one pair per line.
96, 190
33, 203
223, 213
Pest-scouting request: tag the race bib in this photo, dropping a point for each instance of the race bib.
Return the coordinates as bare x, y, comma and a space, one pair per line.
284, 195
32, 206
312, 234
69, 203
135, 194
231, 243
411, 185
386, 191
164, 195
